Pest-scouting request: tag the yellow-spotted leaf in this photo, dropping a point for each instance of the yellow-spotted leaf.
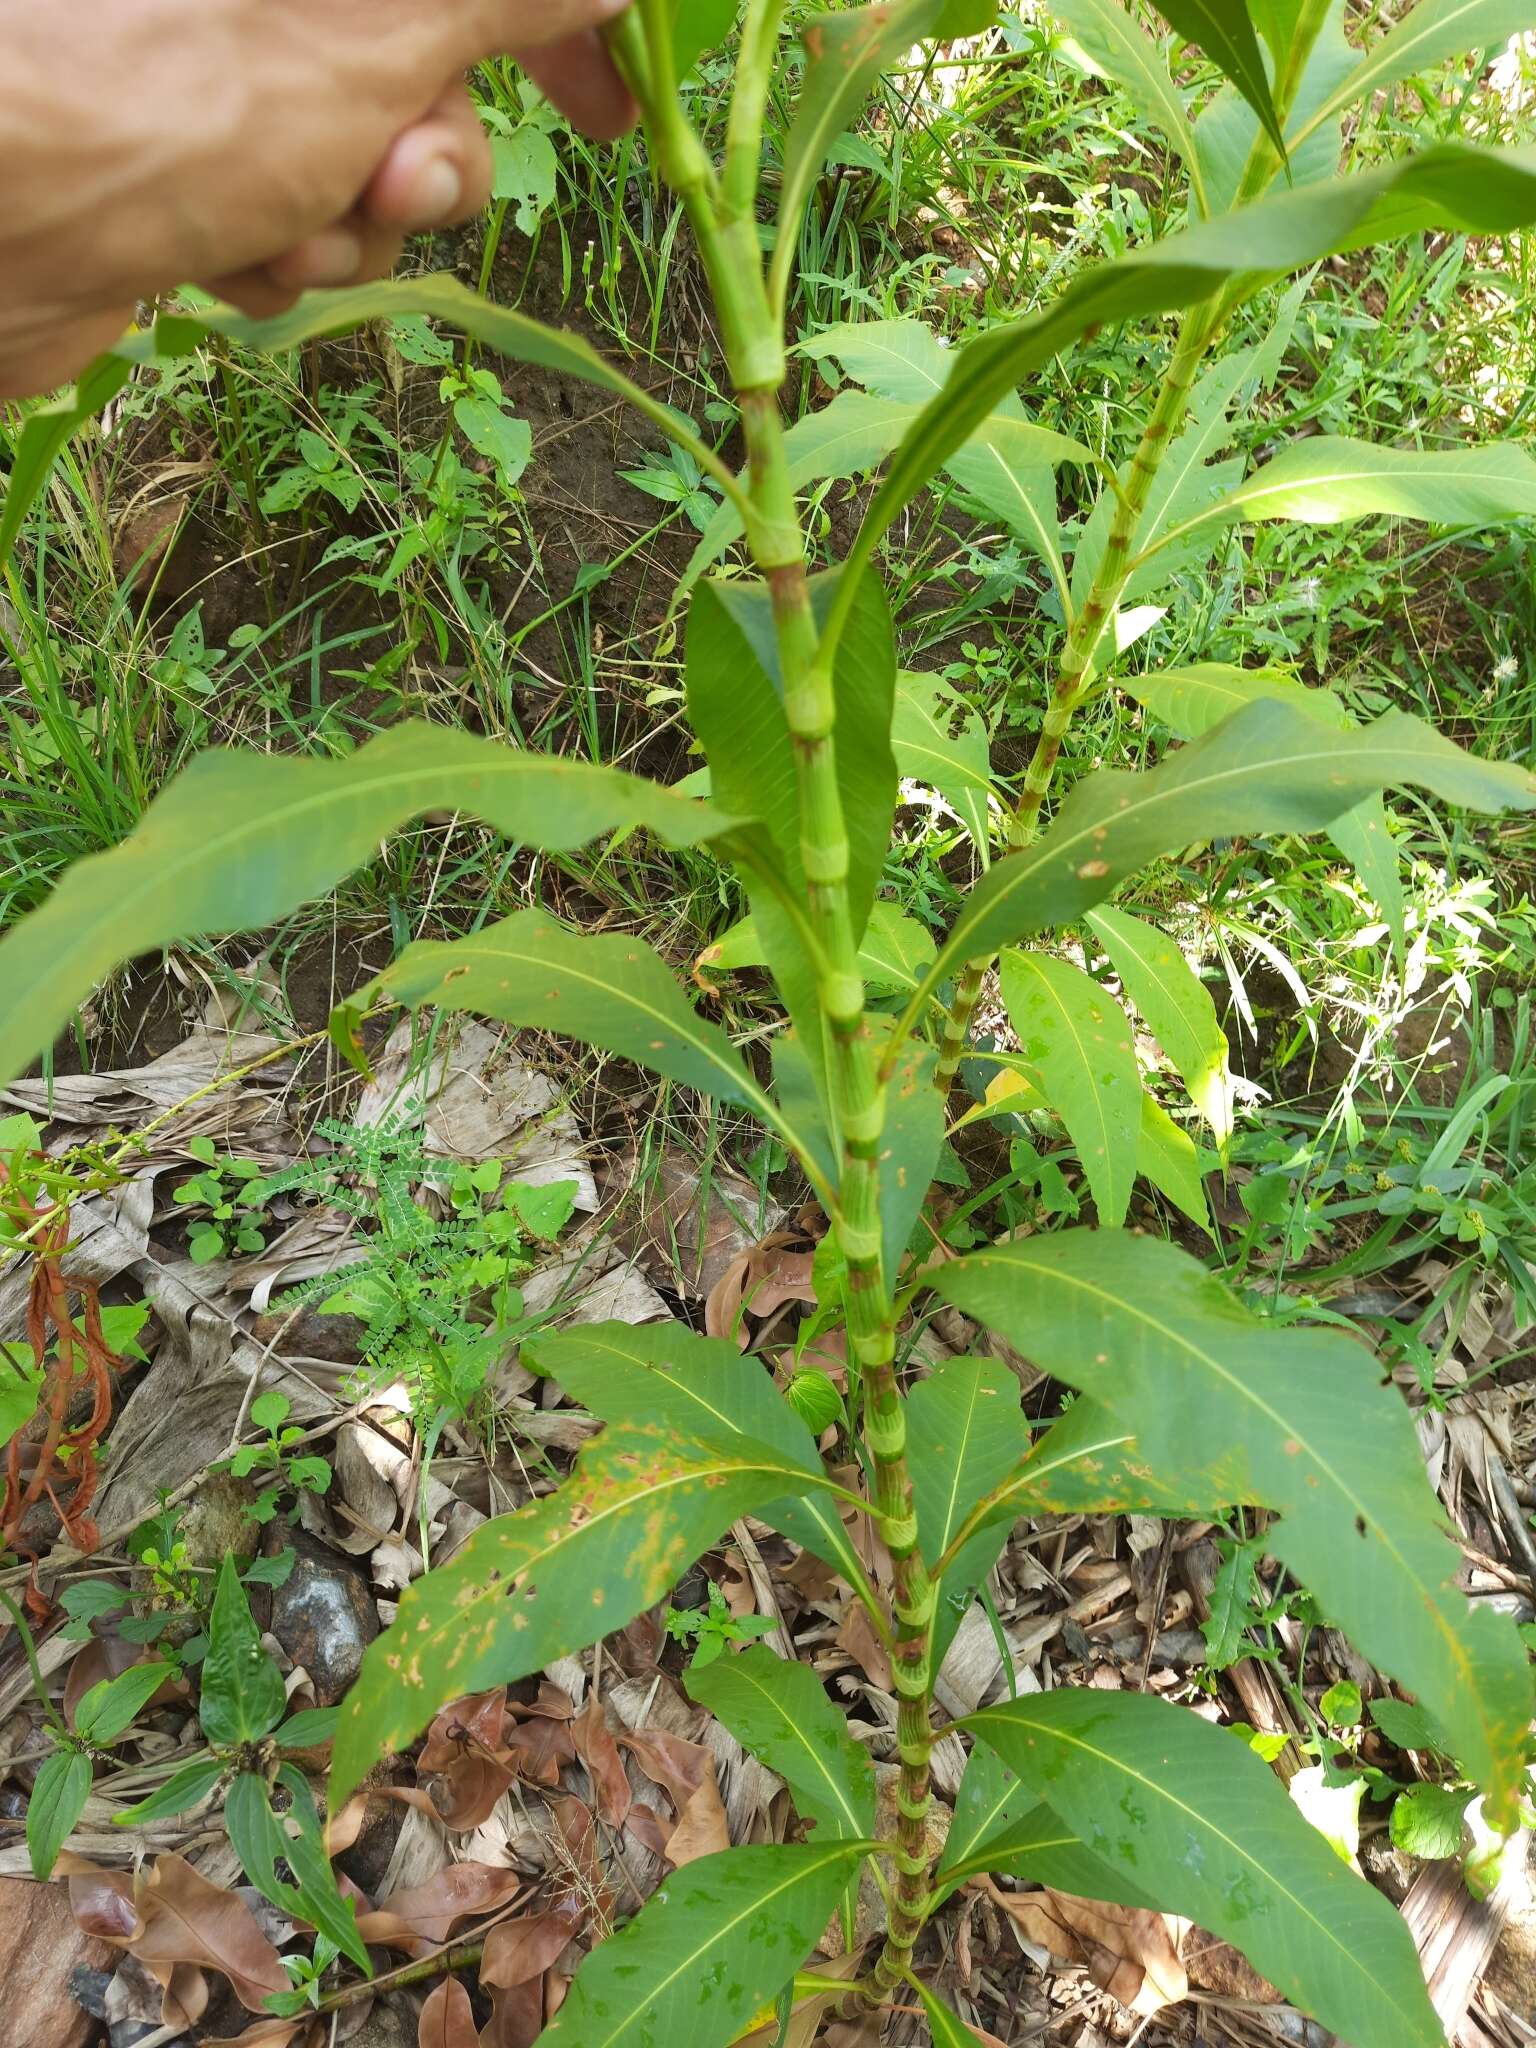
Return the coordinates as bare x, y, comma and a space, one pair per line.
1293, 1420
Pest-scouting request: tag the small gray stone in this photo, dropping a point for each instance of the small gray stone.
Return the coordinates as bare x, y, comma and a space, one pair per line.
324, 1617
388, 2025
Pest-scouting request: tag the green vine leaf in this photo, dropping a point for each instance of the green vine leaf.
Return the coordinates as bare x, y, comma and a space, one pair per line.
1294, 1420
641, 1505
241, 840
780, 1712
1207, 1830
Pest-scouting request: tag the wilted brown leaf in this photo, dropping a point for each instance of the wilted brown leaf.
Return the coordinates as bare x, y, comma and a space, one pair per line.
102, 1900
535, 1749
759, 1281
460, 1761
304, 2032
425, 1916
517, 2016
1129, 1952
856, 1635
685, 1771
475, 1720
605, 1767
518, 1950
188, 1920
447, 2019
578, 1831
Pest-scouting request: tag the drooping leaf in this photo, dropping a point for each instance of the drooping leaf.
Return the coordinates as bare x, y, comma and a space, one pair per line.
1425, 36
1225, 33
1281, 1417
177, 334
605, 990
242, 1697
1178, 1009
1011, 487
1449, 185
895, 948
1166, 1156
781, 1713
1329, 478
1078, 1039
1119, 48
1206, 1830
941, 740
1227, 128
700, 25
703, 1389
642, 1503
1271, 769
56, 1802
718, 1941
965, 1433
320, 1900
240, 840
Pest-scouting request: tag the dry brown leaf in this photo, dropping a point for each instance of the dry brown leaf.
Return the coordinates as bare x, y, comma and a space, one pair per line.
856, 1635
578, 1831
459, 1761
599, 1753
1129, 1952
304, 2032
685, 1771
101, 1900
517, 2016
536, 1749
188, 1920
758, 1281
517, 1951
427, 1915
447, 2019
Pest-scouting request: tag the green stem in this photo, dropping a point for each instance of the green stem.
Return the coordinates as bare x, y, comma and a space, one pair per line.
755, 65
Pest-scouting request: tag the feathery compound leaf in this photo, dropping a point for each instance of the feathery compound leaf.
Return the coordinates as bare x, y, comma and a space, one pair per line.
241, 840
1206, 1830
1270, 769
715, 1944
643, 1502
1078, 1039
605, 990
1294, 1420
781, 1713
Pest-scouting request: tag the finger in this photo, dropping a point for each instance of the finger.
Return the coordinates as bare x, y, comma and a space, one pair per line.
29, 368
582, 80
347, 253
254, 291
437, 171
555, 21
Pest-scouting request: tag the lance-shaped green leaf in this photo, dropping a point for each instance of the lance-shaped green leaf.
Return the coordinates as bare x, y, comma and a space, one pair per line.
1191, 700
185, 1789
910, 1146
945, 2024
1451, 185
940, 739
316, 314
641, 1505
893, 952
1425, 36
1271, 769
780, 1712
242, 1697
965, 1434
1120, 49
241, 840
57, 1800
718, 1941
1199, 1824
1166, 1156
705, 1390
1294, 1420
1078, 1039
110, 1708
1329, 479
1178, 1009
605, 990
1225, 33
1000, 1826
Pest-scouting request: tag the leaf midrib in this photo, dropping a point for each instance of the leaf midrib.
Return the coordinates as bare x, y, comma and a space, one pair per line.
1287, 1428
839, 1792
1161, 1791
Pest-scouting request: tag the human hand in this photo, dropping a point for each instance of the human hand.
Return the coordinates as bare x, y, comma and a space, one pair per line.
257, 147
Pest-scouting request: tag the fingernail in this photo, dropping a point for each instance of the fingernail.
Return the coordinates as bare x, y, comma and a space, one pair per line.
436, 192
335, 256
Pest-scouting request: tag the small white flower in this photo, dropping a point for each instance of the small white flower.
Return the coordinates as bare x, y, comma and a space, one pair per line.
1506, 670
1307, 591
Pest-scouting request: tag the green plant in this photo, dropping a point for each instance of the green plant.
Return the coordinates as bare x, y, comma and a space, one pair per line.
298, 1472
1188, 1400
710, 1629
235, 1196
251, 1737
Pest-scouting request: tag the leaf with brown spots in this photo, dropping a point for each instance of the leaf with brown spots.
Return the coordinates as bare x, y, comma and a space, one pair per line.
1290, 1419
641, 1505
